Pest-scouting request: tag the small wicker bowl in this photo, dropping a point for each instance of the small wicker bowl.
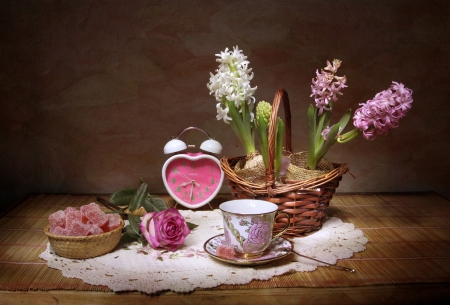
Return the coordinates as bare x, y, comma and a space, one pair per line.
81, 247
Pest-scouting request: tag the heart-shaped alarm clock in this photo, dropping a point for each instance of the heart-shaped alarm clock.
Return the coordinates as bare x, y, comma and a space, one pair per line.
192, 179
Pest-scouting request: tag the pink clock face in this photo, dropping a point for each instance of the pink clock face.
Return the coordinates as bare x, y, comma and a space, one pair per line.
192, 179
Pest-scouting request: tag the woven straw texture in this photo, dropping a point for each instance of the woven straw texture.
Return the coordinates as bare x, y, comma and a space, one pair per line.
305, 201
84, 246
409, 243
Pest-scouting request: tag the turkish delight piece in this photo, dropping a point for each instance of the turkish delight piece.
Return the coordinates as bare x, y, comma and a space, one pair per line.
94, 214
113, 222
70, 209
58, 231
225, 251
57, 219
72, 217
91, 205
94, 230
78, 229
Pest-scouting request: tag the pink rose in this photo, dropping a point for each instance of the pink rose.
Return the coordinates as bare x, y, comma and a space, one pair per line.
166, 229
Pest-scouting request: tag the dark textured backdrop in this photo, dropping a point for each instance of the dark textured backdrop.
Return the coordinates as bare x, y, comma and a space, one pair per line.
91, 91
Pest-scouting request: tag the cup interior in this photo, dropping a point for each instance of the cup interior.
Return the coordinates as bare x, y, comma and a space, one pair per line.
248, 206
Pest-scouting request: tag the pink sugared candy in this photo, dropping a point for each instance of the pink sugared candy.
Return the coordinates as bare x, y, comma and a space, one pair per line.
225, 251
94, 214
94, 230
58, 231
89, 220
78, 229
57, 219
113, 222
70, 209
72, 217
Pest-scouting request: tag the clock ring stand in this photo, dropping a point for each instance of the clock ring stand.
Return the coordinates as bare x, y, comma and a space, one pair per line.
192, 179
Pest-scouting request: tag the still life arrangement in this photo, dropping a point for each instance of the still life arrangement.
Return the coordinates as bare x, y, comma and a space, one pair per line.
279, 194
301, 183
90, 231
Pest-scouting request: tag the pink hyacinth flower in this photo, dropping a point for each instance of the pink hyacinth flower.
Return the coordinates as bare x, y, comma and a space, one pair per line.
383, 113
327, 86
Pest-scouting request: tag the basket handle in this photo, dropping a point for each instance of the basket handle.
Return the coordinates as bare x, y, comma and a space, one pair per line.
280, 96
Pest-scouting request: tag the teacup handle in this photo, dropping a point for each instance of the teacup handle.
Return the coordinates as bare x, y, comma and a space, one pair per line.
287, 226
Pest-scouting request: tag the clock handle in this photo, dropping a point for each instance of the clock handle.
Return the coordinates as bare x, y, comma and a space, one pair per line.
191, 128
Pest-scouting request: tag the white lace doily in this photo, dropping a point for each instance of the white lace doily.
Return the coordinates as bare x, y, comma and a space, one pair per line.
132, 267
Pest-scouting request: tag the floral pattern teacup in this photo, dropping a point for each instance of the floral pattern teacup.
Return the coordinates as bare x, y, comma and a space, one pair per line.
248, 225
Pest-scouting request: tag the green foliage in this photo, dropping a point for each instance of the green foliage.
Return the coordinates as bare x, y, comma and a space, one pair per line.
123, 196
132, 199
317, 145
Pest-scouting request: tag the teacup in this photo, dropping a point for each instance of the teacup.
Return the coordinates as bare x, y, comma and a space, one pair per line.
248, 225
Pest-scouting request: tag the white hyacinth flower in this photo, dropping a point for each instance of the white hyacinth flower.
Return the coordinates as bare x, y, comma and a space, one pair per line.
230, 85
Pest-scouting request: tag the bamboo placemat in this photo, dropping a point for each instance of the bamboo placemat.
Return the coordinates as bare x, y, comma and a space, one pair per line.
409, 242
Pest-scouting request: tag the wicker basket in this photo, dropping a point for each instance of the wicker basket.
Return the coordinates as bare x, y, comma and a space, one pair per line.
81, 247
305, 201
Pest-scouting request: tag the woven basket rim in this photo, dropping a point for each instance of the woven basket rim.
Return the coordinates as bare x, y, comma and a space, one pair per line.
83, 238
258, 189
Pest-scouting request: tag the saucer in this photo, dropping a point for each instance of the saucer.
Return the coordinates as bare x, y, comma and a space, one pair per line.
278, 248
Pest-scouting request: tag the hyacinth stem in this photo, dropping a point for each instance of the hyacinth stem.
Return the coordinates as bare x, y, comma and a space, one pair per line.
241, 126
311, 121
326, 145
348, 136
261, 128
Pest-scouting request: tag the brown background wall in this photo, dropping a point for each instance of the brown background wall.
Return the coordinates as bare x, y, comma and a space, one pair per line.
91, 91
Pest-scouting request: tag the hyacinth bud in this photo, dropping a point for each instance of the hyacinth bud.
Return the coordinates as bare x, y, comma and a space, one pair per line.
263, 110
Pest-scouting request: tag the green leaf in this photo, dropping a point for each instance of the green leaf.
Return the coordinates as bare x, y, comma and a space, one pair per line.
123, 196
242, 130
154, 204
262, 135
344, 120
126, 238
142, 240
311, 121
134, 223
331, 139
139, 197
129, 231
191, 226
321, 125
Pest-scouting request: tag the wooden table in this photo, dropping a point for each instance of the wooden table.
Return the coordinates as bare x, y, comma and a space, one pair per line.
407, 259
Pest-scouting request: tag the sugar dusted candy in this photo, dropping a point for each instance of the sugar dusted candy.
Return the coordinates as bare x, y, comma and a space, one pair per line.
57, 219
72, 217
58, 231
94, 214
94, 230
225, 251
88, 220
113, 222
78, 229
70, 209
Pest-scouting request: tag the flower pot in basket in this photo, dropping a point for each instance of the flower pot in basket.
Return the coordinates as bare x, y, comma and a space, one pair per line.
305, 201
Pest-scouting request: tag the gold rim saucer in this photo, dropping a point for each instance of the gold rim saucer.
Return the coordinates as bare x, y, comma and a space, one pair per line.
278, 249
